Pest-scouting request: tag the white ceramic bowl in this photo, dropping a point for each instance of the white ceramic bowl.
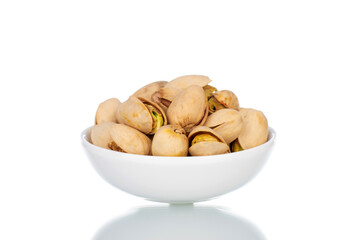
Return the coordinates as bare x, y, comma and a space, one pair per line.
178, 179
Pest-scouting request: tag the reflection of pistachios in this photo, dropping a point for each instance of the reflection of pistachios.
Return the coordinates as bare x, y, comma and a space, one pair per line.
235, 146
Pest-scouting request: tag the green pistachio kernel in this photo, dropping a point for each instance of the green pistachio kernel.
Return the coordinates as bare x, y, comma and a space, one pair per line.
158, 121
209, 90
214, 105
204, 137
235, 146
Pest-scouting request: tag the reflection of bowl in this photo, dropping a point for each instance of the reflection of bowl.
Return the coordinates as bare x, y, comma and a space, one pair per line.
178, 179
179, 222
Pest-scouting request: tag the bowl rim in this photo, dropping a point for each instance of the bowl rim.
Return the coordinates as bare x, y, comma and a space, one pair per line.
137, 157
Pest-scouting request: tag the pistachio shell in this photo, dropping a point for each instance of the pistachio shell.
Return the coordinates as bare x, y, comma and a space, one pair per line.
227, 98
188, 80
100, 134
214, 105
207, 148
226, 122
189, 108
130, 140
156, 107
148, 90
164, 96
203, 129
170, 140
134, 113
255, 130
209, 91
106, 111
203, 120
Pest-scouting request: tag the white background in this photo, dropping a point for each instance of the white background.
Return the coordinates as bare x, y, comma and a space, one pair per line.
297, 61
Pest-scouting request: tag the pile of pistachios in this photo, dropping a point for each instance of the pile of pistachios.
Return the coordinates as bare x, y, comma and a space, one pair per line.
183, 117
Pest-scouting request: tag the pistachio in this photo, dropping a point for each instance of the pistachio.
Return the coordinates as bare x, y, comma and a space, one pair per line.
158, 119
235, 146
100, 134
227, 98
214, 105
142, 114
129, 140
170, 140
226, 122
106, 111
205, 141
188, 80
148, 90
164, 96
255, 130
204, 137
213, 119
189, 108
223, 99
113, 146
209, 91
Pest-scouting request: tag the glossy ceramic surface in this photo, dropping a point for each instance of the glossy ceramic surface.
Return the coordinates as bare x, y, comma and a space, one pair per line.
178, 179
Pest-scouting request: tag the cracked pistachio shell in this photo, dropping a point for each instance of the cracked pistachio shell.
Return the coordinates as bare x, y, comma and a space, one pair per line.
106, 111
189, 108
227, 98
170, 140
255, 129
164, 96
148, 90
188, 80
100, 134
209, 91
207, 148
134, 113
226, 122
130, 140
